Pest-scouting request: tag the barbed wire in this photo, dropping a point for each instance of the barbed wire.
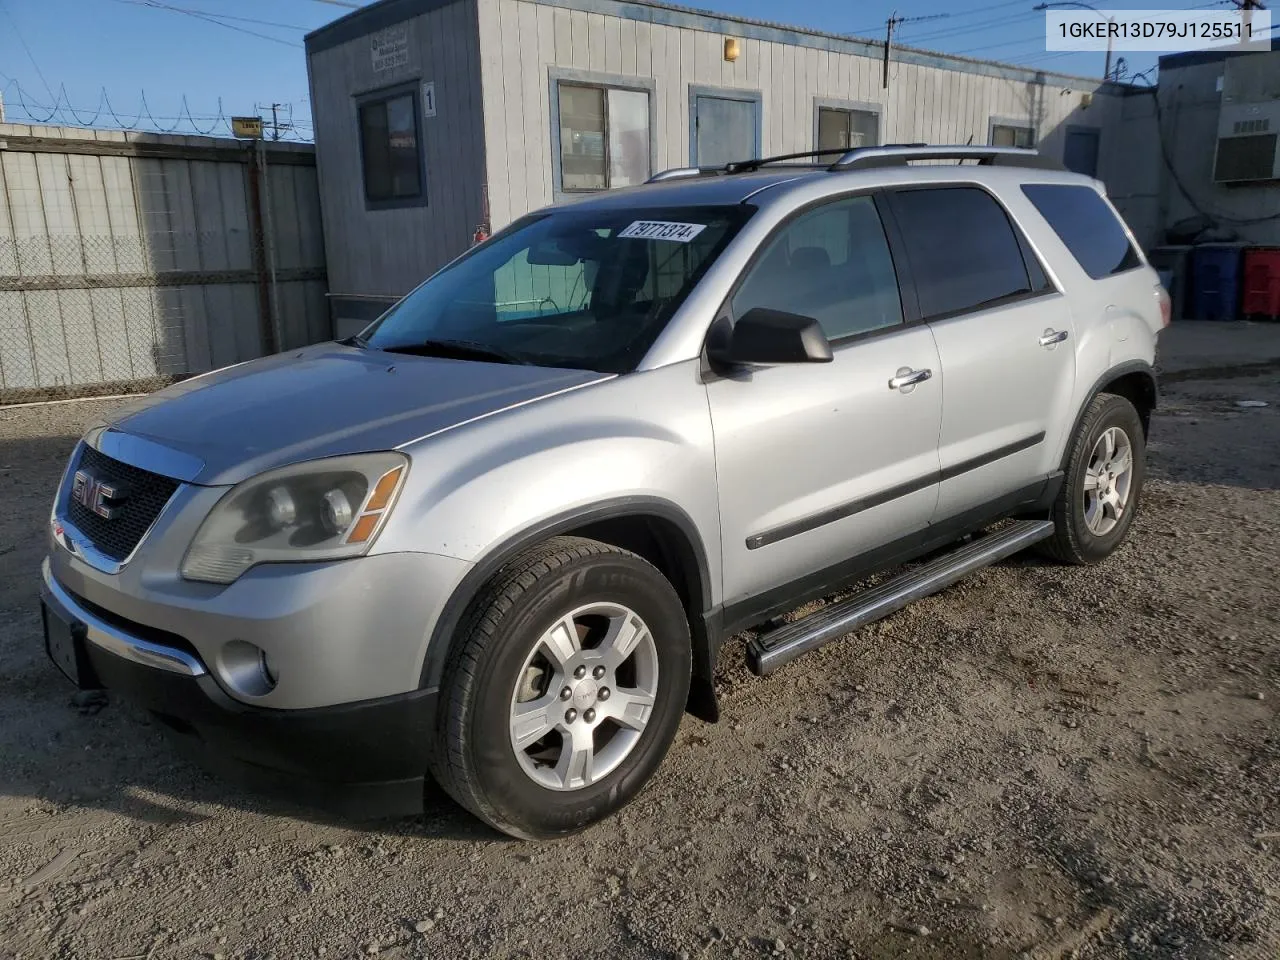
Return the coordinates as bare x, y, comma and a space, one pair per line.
62, 112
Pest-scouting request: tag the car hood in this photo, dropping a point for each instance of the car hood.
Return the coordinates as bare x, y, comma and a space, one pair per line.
322, 401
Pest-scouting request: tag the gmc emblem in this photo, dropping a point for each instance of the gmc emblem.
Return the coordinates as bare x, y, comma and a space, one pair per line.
93, 494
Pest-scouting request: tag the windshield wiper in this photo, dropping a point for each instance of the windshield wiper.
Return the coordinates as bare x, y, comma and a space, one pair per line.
458, 349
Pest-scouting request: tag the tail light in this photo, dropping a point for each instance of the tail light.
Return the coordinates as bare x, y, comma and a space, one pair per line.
1166, 305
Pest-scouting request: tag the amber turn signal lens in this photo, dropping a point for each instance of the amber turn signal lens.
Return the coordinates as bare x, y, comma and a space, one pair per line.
364, 528
385, 488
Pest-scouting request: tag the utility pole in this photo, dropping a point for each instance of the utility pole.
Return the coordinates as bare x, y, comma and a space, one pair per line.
276, 123
892, 24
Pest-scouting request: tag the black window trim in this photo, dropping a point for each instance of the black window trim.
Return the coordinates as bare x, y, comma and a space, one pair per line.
1028, 253
725, 311
410, 88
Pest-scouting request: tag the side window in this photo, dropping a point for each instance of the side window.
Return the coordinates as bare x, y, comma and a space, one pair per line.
841, 129
390, 150
604, 136
831, 263
1084, 222
964, 254
1012, 135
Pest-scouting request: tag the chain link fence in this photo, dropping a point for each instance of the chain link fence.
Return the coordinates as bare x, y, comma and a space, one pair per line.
122, 273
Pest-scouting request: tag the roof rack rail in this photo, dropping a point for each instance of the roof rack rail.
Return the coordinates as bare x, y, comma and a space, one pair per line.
682, 173
863, 158
746, 166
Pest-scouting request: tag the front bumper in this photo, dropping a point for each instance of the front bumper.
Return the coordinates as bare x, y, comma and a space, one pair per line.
367, 758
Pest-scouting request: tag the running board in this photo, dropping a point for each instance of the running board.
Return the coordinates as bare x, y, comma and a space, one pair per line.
768, 651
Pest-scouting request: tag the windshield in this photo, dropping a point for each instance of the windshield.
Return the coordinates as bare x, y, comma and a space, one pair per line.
587, 289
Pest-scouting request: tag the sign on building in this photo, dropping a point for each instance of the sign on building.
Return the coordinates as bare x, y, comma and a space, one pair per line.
246, 128
390, 48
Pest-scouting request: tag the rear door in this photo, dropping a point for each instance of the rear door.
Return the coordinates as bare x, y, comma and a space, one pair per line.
1004, 337
821, 462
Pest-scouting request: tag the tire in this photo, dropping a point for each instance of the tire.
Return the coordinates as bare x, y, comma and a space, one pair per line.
1082, 535
510, 656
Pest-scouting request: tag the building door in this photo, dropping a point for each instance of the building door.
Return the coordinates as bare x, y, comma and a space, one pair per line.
726, 127
1080, 155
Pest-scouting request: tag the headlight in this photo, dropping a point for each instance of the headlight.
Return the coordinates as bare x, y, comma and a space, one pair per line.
321, 510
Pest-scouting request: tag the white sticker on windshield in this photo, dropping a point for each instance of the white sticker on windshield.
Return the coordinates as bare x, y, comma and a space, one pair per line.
663, 230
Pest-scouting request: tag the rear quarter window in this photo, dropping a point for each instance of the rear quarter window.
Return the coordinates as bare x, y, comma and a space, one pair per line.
1086, 225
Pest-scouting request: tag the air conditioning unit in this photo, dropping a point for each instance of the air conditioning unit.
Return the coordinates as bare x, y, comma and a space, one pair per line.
1248, 148
1248, 134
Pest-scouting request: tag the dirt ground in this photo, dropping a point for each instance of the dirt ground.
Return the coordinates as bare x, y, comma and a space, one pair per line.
1039, 762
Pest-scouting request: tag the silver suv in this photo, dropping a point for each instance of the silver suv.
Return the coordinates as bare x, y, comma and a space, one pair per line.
499, 537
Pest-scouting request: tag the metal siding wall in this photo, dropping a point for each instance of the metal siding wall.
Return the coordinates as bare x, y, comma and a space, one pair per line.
86, 239
387, 252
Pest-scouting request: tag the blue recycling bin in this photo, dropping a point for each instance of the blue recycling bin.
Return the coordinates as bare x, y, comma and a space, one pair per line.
1216, 270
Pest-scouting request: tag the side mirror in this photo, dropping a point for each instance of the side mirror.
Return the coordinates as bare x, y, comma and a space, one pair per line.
766, 337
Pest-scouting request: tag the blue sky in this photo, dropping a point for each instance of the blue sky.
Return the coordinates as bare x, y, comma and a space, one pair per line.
132, 47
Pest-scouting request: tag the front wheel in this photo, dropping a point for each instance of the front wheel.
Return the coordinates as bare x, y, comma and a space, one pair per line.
564, 690
1102, 484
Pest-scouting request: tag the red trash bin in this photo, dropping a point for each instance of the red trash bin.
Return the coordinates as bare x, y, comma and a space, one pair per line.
1262, 284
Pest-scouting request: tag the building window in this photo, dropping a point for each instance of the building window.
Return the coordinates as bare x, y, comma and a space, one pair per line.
841, 129
391, 149
604, 136
1012, 135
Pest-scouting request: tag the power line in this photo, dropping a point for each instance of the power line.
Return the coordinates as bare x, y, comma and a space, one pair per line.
341, 3
952, 16
157, 5
219, 16
23, 40
1003, 43
980, 27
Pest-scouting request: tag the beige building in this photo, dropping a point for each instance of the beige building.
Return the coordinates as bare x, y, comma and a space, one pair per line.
436, 117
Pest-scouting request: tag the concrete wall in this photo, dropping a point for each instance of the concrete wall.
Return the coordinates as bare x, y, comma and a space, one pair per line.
1131, 166
1189, 105
129, 259
384, 252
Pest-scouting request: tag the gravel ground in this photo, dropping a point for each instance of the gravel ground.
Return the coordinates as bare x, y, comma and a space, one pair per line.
1040, 762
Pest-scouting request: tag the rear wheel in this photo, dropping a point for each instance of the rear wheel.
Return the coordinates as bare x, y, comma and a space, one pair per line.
1102, 485
565, 689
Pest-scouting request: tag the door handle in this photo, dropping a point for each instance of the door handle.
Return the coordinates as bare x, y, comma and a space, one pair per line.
1052, 336
906, 377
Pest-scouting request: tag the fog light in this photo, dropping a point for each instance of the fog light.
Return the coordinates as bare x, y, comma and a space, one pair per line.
246, 669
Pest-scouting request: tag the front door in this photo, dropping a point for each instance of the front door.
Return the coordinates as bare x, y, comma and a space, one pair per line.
726, 127
1004, 338
819, 463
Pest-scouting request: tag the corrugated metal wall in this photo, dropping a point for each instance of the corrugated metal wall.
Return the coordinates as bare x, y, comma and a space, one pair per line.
130, 260
522, 39
383, 252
